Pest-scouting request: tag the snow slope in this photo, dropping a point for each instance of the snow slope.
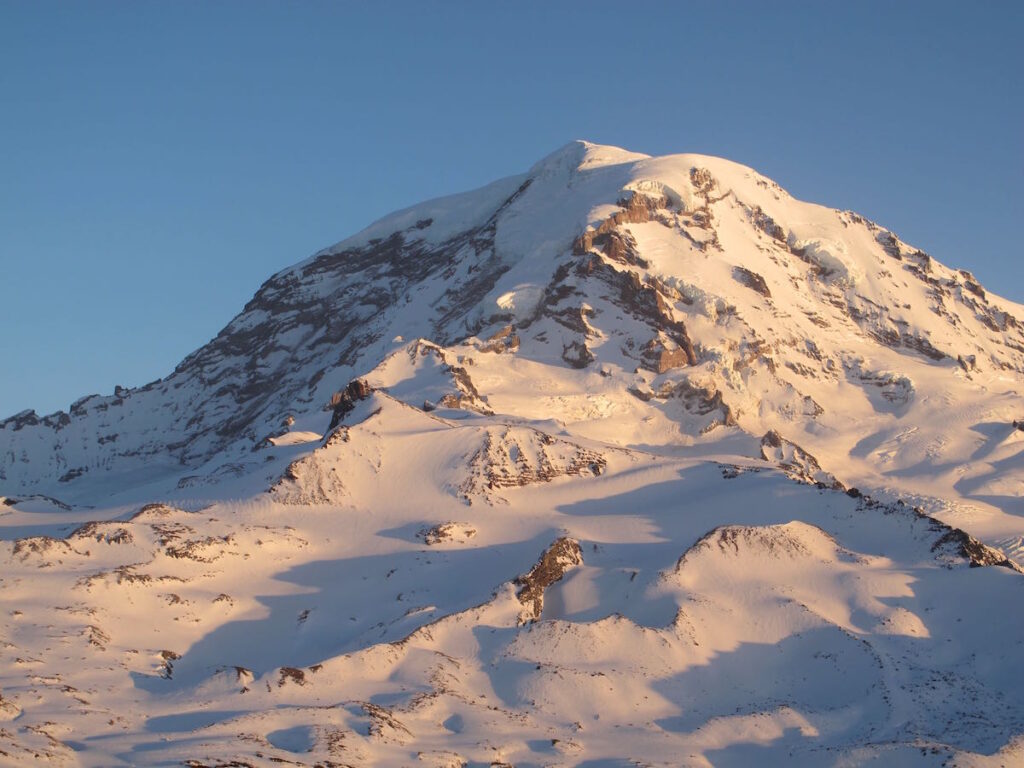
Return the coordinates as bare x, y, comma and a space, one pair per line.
625, 460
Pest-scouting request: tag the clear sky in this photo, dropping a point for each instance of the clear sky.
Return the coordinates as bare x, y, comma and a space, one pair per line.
160, 160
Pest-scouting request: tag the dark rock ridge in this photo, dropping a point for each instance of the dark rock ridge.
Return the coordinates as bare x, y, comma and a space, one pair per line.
342, 403
972, 550
563, 554
752, 280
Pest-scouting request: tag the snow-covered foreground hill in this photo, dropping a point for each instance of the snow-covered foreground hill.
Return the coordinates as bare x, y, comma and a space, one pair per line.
624, 461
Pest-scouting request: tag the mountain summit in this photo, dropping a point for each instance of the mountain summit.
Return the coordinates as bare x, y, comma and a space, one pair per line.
626, 458
689, 291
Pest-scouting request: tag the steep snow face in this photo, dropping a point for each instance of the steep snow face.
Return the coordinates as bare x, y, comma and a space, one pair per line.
620, 460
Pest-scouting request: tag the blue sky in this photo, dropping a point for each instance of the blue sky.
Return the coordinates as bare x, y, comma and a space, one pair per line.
159, 160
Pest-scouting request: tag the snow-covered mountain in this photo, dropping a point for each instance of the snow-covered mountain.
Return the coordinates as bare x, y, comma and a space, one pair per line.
622, 461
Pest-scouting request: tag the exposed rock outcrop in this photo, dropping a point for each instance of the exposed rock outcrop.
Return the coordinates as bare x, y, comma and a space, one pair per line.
517, 456
661, 354
442, 533
972, 550
752, 280
563, 555
577, 355
798, 463
342, 403
698, 399
504, 340
637, 208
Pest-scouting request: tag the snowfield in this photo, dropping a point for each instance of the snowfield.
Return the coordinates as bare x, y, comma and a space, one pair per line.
625, 461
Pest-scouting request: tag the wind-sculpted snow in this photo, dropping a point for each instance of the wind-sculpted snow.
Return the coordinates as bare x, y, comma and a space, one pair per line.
623, 461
